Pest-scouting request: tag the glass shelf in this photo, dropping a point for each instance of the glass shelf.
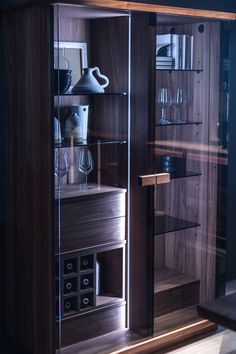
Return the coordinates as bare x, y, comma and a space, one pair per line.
191, 70
181, 174
184, 123
93, 94
165, 224
90, 142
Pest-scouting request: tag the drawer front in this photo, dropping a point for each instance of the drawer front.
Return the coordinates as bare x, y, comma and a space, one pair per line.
84, 327
175, 299
82, 235
92, 208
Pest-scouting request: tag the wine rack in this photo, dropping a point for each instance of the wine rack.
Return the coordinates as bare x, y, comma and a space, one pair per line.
78, 291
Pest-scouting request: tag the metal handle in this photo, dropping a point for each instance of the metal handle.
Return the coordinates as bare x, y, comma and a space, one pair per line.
152, 180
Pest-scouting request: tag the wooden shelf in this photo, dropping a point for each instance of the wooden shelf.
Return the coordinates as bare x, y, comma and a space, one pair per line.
180, 174
93, 94
165, 224
178, 124
102, 300
167, 278
89, 142
181, 70
69, 295
86, 291
69, 275
173, 291
96, 248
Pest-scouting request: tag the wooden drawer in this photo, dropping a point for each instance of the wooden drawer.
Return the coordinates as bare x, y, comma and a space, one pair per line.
92, 208
83, 327
176, 298
91, 220
82, 235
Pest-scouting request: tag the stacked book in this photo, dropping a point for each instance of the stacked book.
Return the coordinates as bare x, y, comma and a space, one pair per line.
177, 49
164, 63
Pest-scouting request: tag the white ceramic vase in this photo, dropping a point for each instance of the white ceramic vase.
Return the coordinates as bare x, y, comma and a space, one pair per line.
76, 126
88, 84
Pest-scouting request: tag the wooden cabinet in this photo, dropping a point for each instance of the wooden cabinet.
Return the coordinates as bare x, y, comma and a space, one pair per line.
91, 208
187, 147
89, 250
90, 263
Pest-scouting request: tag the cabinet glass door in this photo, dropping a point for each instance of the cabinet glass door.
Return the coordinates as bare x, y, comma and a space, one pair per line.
191, 144
91, 136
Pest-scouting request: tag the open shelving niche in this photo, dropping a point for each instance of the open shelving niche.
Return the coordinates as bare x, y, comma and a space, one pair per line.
93, 222
180, 277
103, 257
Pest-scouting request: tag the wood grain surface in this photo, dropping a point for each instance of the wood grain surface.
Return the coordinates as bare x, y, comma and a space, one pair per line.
141, 240
127, 5
83, 327
193, 251
28, 241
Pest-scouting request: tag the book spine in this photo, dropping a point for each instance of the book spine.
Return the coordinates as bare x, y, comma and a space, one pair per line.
183, 52
191, 52
175, 50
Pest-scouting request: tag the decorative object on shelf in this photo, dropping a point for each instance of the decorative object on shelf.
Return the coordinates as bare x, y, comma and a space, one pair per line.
175, 165
61, 167
76, 126
88, 83
168, 163
163, 45
174, 51
164, 63
76, 54
77, 290
179, 99
165, 100
85, 165
62, 80
62, 74
182, 51
57, 131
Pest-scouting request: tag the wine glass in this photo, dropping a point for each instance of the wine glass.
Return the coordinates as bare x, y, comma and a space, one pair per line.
179, 100
165, 100
61, 166
85, 165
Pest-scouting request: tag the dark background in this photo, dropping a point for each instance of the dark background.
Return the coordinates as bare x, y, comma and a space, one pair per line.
220, 5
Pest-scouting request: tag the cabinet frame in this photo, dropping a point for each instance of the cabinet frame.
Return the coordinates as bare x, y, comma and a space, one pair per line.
34, 332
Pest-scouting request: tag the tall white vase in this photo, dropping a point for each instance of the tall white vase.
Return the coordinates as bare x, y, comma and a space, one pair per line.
76, 127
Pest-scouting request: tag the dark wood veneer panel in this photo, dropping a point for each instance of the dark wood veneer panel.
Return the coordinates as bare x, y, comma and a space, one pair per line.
142, 121
92, 220
174, 290
28, 126
92, 208
193, 251
94, 323
76, 236
176, 298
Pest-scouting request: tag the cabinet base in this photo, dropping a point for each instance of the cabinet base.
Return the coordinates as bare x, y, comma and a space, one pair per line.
95, 323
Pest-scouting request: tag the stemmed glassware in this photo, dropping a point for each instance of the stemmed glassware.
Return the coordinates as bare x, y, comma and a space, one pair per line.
85, 165
61, 167
179, 100
165, 100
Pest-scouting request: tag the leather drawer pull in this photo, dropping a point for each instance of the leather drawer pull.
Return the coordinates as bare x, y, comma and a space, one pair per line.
151, 180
